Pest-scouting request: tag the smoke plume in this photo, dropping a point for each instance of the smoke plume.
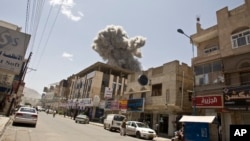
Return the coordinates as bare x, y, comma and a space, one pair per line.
115, 47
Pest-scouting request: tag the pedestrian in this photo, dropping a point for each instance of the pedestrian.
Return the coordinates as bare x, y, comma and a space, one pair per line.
123, 128
54, 113
157, 128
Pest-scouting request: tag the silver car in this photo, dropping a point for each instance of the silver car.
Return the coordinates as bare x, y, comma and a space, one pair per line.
27, 115
140, 130
82, 119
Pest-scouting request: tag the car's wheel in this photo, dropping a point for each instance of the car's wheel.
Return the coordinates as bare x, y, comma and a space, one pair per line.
110, 129
138, 134
104, 126
34, 125
75, 121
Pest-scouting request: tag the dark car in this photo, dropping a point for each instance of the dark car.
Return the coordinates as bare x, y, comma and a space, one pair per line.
101, 119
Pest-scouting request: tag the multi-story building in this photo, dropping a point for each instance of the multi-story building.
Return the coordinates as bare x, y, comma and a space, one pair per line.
12, 76
222, 68
51, 96
87, 89
167, 95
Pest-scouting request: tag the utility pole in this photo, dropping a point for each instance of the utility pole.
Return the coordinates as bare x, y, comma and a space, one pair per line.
20, 80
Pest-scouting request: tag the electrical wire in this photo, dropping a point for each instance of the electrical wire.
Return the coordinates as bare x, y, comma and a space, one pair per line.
48, 37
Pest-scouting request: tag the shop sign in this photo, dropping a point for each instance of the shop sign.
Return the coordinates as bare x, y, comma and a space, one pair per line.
111, 105
237, 96
136, 105
208, 101
108, 92
123, 104
13, 45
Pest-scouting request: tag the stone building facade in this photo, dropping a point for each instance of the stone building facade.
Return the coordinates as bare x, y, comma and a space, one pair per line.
222, 68
167, 95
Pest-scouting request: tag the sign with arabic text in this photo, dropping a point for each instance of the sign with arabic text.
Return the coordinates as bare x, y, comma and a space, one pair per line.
208, 101
237, 96
13, 45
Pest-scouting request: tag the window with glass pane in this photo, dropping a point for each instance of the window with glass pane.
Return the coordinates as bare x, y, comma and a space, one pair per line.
245, 78
217, 66
207, 68
198, 70
241, 39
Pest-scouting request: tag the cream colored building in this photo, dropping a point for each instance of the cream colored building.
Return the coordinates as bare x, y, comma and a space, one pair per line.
222, 67
86, 89
167, 95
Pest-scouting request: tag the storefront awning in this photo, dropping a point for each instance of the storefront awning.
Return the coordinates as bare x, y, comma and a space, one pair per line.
203, 119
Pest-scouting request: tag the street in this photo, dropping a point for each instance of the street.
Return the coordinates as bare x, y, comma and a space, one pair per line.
60, 129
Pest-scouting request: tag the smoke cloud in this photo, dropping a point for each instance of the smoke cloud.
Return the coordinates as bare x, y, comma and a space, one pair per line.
115, 47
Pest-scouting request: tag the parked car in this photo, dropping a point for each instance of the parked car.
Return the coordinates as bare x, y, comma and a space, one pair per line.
113, 121
82, 119
27, 115
101, 119
140, 130
50, 111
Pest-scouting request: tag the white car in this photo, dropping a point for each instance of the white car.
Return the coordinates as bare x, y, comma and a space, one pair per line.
82, 119
27, 115
140, 130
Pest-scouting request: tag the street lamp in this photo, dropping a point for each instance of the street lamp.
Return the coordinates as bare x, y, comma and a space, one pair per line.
194, 95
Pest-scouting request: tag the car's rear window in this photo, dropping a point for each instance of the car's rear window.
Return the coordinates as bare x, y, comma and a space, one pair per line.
28, 110
119, 118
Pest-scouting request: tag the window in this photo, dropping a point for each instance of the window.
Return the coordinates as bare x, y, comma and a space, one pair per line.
130, 96
211, 49
241, 38
157, 90
209, 73
245, 78
143, 95
119, 90
114, 88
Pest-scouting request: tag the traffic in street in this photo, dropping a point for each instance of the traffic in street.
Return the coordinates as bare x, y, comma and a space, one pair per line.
61, 128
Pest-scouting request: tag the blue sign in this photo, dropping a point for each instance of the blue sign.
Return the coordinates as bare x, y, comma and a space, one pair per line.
136, 105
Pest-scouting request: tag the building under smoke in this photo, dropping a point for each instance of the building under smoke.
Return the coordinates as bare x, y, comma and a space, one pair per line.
115, 47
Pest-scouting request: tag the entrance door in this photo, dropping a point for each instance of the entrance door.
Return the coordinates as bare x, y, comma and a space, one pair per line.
163, 124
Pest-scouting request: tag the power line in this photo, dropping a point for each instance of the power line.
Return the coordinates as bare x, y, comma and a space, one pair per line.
50, 32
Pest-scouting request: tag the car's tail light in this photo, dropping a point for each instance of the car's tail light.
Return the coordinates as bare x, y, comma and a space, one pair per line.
34, 116
19, 114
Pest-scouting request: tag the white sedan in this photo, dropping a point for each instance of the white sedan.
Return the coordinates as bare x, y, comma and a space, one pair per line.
140, 130
27, 115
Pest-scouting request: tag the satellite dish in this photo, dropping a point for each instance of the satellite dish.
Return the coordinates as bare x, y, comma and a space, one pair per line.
143, 80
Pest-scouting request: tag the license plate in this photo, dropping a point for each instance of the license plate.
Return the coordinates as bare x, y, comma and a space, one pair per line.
26, 116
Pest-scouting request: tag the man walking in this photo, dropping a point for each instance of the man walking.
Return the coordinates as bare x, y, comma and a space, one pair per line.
123, 128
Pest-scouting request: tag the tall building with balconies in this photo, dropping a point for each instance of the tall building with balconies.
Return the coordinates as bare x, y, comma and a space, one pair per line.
222, 68
166, 96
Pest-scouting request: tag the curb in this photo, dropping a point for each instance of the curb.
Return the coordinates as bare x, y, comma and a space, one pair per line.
7, 122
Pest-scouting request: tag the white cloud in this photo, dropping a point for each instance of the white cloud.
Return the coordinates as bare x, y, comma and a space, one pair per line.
67, 6
67, 56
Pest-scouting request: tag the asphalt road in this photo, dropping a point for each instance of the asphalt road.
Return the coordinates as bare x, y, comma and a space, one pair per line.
61, 129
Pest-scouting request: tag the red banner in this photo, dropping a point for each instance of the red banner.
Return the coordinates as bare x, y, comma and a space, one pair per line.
211, 101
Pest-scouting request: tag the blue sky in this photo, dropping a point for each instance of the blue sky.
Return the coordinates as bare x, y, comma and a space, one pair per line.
62, 43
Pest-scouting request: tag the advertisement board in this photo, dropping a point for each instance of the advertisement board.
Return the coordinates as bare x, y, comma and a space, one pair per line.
13, 45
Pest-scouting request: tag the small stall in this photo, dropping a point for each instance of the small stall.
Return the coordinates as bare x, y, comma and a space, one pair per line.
196, 128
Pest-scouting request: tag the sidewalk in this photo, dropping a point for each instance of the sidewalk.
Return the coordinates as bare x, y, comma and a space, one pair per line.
4, 121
